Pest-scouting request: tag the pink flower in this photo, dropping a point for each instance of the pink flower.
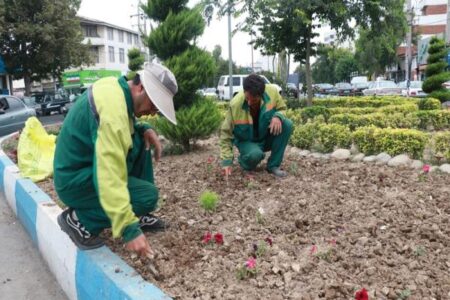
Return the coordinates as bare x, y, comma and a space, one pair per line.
333, 242
210, 160
362, 295
218, 238
426, 168
313, 250
250, 263
207, 237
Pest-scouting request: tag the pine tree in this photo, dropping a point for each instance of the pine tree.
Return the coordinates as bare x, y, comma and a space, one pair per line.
135, 61
435, 71
173, 41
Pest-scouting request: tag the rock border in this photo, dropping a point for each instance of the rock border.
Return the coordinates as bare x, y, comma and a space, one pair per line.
383, 158
93, 274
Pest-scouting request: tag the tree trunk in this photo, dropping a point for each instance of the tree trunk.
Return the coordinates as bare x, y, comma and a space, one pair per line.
288, 67
27, 81
308, 68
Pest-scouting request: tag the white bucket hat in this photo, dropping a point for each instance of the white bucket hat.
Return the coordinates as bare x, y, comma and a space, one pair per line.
161, 86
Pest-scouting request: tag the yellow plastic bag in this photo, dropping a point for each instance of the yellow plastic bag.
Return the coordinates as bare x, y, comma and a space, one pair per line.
35, 151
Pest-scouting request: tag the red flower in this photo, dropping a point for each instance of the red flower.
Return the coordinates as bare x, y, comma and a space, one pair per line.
426, 168
269, 241
218, 237
313, 250
210, 160
207, 237
250, 263
362, 295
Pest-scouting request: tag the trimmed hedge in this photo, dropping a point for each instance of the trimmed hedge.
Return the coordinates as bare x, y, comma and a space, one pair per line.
371, 140
441, 144
363, 101
325, 137
439, 119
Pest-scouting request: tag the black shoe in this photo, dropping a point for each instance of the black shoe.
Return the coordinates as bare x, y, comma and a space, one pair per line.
278, 172
82, 238
150, 223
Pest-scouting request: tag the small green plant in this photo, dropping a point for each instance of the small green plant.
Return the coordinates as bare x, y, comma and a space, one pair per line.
260, 216
419, 251
326, 255
247, 270
208, 200
404, 294
259, 249
293, 168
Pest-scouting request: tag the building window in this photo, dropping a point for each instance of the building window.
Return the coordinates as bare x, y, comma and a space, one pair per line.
94, 54
90, 31
136, 39
122, 56
129, 38
111, 54
121, 36
110, 34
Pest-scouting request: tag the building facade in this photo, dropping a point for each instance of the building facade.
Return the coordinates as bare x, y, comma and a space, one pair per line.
5, 80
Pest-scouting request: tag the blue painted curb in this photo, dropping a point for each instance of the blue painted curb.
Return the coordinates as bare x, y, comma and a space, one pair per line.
83, 275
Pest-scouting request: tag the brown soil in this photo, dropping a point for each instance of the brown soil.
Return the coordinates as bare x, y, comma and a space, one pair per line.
336, 227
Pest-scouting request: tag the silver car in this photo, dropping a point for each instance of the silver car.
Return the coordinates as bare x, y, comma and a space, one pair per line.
13, 114
382, 87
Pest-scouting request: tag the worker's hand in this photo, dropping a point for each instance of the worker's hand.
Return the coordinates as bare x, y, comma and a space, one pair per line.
151, 138
275, 126
226, 171
140, 245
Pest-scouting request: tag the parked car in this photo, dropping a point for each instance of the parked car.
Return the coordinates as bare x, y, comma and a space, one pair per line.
324, 89
52, 103
238, 85
13, 114
292, 90
359, 79
415, 89
382, 88
210, 92
345, 89
30, 102
359, 87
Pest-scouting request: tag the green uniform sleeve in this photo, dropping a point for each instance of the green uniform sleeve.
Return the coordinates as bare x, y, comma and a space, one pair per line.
111, 179
280, 106
226, 140
141, 127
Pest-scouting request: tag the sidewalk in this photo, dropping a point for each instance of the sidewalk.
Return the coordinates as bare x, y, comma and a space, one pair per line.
23, 273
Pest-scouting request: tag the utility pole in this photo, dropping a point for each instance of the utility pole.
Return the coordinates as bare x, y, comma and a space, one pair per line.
408, 44
230, 56
251, 45
447, 27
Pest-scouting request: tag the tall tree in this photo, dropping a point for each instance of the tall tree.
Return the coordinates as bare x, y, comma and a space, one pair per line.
41, 38
221, 65
292, 24
173, 41
333, 65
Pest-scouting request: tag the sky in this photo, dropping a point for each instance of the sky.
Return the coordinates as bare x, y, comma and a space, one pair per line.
118, 12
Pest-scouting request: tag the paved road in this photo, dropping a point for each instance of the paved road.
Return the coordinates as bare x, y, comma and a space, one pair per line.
48, 120
23, 272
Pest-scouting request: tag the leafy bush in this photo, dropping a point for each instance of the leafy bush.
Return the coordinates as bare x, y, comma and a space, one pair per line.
294, 115
363, 101
294, 103
208, 200
435, 72
198, 121
333, 135
309, 113
441, 144
303, 136
371, 140
429, 104
439, 119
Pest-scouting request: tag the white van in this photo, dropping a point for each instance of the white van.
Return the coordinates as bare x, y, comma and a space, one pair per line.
238, 85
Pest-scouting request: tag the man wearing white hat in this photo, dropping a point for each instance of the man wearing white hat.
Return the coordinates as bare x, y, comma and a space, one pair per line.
103, 167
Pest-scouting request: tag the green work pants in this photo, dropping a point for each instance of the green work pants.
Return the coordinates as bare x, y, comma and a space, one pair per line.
143, 192
252, 153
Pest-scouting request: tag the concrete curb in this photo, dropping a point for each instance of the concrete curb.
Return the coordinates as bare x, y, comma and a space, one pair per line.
81, 274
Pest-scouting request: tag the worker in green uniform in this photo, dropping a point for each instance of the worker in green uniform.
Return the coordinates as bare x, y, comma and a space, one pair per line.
255, 123
103, 166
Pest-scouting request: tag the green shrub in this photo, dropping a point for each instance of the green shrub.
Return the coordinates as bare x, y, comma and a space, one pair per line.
441, 144
294, 103
196, 122
371, 140
439, 119
363, 101
399, 120
356, 121
303, 135
309, 113
429, 104
333, 135
208, 200
294, 115
435, 71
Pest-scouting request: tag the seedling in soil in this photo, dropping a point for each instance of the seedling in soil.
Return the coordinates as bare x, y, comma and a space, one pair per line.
260, 216
209, 164
259, 249
326, 255
424, 174
208, 200
247, 270
404, 294
419, 251
293, 168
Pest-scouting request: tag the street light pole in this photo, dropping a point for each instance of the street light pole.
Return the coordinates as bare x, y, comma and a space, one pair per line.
408, 45
447, 27
230, 56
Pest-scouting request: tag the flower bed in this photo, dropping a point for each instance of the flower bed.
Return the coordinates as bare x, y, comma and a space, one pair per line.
327, 231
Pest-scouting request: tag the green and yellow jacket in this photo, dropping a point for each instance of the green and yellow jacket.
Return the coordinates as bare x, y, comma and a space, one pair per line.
93, 153
238, 124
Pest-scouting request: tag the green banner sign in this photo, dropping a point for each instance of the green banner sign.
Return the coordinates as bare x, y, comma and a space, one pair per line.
86, 77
